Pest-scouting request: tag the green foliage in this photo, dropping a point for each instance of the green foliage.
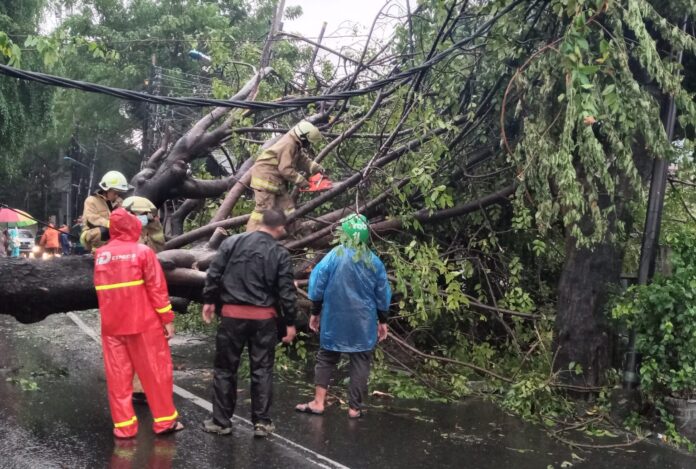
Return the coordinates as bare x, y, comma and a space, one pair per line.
25, 384
25, 108
114, 43
430, 286
575, 171
664, 318
671, 432
191, 321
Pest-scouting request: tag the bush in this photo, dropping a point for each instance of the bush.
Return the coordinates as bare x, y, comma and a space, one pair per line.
663, 315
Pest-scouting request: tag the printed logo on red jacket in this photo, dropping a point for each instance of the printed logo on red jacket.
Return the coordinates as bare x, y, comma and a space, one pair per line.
106, 257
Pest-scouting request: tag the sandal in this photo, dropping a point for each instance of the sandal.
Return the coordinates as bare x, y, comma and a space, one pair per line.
176, 427
306, 409
357, 415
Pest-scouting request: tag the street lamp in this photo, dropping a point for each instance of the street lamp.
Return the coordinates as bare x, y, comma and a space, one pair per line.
199, 56
73, 160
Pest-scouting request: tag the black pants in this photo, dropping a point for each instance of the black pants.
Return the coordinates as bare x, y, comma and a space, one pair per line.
260, 337
360, 363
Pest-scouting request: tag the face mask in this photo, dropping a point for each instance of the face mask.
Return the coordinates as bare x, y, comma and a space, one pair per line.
143, 219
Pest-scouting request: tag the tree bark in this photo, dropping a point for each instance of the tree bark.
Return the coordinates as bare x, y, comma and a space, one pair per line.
166, 174
176, 220
581, 332
34, 289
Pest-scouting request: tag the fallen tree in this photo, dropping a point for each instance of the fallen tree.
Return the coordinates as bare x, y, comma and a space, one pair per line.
471, 141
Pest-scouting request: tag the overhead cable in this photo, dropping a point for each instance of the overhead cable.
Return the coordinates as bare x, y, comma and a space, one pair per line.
130, 95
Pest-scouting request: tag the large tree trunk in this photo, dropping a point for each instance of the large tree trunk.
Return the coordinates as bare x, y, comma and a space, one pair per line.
582, 334
33, 289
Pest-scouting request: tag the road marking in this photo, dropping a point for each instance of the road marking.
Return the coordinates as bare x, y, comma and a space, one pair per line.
85, 328
320, 460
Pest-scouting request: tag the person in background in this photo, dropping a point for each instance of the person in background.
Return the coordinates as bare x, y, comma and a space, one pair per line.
14, 241
136, 323
98, 208
65, 243
75, 232
350, 294
3, 243
250, 276
50, 240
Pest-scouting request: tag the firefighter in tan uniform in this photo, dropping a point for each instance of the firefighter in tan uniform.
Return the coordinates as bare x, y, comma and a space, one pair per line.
152, 234
98, 208
278, 166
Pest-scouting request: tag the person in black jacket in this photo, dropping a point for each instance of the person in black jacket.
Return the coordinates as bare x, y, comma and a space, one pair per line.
251, 280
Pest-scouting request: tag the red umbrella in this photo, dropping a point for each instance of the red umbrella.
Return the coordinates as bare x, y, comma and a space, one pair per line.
14, 217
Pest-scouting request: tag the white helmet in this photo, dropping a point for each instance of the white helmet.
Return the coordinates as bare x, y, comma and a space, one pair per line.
139, 205
306, 131
116, 181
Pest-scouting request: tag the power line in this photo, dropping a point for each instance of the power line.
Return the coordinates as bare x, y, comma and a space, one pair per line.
130, 95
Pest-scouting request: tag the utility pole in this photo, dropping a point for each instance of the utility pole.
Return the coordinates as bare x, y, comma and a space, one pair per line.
152, 118
91, 169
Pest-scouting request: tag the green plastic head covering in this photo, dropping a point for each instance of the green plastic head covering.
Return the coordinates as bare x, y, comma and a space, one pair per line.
355, 226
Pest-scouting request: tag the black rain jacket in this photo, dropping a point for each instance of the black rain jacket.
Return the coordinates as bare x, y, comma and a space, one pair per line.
252, 269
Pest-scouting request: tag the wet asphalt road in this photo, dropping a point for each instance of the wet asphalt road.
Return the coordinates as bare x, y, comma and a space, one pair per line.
65, 423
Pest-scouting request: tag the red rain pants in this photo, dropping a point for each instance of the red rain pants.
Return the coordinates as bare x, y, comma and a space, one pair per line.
148, 354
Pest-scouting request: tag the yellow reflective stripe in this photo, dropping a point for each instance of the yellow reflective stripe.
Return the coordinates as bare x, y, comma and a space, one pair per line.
164, 419
256, 216
258, 183
126, 423
164, 310
119, 285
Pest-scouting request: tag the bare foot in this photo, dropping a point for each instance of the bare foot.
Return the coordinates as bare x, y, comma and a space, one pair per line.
312, 407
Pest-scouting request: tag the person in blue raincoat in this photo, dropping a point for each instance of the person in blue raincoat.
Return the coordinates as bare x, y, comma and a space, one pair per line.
14, 242
350, 294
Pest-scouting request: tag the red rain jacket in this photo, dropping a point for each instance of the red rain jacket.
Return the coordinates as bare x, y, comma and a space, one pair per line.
130, 283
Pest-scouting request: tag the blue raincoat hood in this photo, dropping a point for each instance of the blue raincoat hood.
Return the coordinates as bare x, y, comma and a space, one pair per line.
352, 288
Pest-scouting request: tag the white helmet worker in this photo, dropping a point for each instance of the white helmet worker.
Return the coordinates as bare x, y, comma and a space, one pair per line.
139, 205
306, 131
116, 181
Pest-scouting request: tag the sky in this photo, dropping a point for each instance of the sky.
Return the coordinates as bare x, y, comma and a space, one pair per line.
348, 21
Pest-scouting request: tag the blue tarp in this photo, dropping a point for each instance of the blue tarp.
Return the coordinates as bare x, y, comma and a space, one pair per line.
352, 288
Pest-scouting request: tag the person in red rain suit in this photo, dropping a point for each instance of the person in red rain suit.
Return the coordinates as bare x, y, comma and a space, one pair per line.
136, 319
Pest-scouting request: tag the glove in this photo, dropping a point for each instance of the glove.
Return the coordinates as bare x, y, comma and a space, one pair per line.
317, 168
303, 184
104, 232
